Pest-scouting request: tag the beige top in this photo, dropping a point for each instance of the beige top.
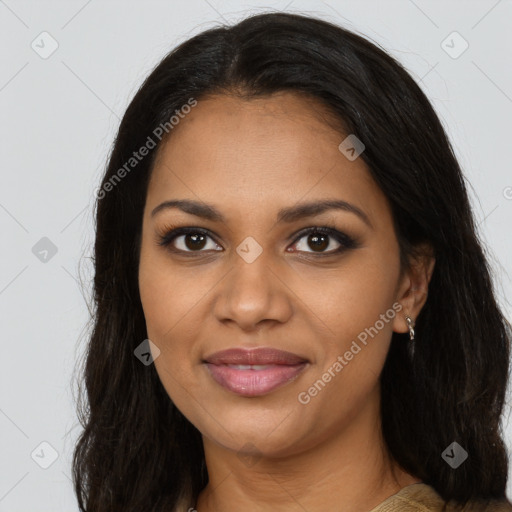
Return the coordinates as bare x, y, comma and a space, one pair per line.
420, 497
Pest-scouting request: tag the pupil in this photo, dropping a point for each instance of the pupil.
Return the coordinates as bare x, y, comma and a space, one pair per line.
318, 241
195, 241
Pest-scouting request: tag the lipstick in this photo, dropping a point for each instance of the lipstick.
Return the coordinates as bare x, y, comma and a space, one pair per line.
254, 372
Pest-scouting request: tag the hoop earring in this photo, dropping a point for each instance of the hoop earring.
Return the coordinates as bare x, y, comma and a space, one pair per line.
410, 325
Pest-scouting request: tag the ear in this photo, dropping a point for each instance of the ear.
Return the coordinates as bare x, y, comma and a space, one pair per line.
413, 287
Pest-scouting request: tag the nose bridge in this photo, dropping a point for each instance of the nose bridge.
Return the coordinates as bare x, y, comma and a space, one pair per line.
251, 292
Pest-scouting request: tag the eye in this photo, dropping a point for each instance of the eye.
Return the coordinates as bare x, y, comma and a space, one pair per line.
188, 240
323, 241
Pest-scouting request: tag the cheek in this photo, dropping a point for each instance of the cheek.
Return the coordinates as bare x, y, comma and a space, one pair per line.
168, 301
357, 308
167, 295
355, 304
173, 301
353, 296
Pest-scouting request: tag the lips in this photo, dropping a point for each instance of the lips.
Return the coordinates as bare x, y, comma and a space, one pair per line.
257, 356
254, 372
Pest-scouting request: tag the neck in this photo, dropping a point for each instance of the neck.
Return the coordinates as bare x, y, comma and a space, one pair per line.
350, 466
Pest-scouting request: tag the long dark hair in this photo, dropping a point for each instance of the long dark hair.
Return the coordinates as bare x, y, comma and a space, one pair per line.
137, 452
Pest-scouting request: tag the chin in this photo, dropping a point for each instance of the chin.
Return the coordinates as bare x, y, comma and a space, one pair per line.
258, 431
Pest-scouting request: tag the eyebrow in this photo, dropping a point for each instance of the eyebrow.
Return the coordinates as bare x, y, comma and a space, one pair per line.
288, 215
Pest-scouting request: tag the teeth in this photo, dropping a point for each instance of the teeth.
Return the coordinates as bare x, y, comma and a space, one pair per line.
249, 366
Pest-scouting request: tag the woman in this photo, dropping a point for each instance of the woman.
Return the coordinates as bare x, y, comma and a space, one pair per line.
293, 309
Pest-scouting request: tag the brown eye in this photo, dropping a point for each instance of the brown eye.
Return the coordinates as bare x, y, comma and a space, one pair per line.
318, 242
195, 241
323, 241
188, 240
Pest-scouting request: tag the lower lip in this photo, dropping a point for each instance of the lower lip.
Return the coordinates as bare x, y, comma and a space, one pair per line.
254, 382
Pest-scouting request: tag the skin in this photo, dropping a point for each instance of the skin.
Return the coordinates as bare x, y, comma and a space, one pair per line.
249, 159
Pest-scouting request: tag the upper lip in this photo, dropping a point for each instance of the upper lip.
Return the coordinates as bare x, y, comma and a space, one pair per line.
255, 356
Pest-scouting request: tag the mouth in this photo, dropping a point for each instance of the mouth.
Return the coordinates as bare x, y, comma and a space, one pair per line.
254, 372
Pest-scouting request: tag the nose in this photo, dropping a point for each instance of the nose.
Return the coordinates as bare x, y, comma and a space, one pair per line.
252, 295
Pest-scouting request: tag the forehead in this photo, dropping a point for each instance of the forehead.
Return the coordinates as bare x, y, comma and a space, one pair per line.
275, 149
281, 119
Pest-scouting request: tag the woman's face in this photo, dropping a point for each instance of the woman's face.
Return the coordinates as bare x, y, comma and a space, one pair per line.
249, 275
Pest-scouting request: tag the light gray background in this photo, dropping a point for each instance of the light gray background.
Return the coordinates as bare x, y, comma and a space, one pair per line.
59, 116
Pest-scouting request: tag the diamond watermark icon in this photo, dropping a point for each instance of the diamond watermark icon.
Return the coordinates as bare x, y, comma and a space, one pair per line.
249, 249
44, 250
44, 455
249, 454
454, 45
454, 455
351, 147
44, 45
147, 352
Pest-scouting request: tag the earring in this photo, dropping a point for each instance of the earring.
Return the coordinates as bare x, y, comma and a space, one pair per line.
410, 325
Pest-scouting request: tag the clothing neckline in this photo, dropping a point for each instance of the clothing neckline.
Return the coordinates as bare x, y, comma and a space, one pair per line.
389, 499
400, 493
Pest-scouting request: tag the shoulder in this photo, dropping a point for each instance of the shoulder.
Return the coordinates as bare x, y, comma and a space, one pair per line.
420, 497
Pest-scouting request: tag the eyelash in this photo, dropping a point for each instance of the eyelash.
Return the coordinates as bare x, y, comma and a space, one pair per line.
346, 242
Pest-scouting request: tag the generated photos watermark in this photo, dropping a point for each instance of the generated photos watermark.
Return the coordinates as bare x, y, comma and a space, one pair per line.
304, 397
144, 150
